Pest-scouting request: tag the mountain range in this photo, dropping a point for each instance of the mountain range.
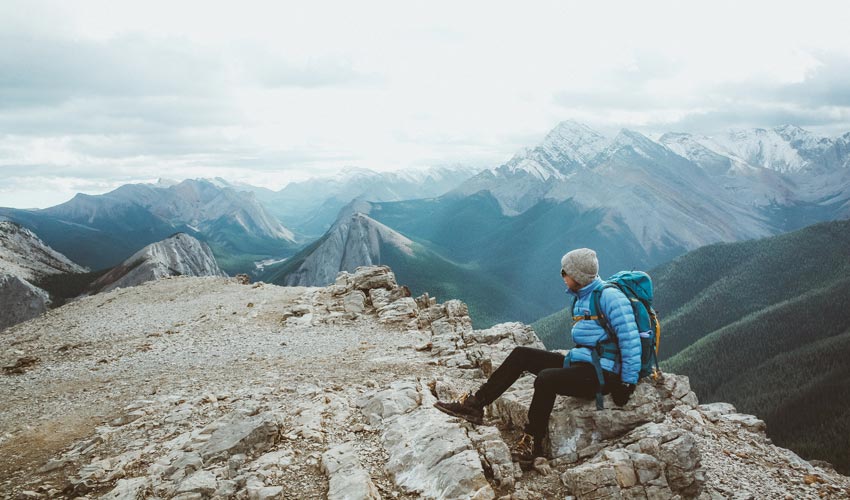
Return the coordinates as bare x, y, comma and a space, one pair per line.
356, 239
101, 231
637, 201
312, 206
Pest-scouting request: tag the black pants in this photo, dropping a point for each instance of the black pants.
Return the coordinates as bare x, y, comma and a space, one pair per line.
577, 380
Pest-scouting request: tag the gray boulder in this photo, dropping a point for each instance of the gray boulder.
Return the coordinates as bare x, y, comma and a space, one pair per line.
434, 458
366, 278
430, 455
250, 436
402, 397
403, 310
203, 482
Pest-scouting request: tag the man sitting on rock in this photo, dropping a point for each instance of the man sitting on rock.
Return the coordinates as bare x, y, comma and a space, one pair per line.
570, 375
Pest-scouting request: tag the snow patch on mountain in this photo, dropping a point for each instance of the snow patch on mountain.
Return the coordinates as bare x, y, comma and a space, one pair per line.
783, 149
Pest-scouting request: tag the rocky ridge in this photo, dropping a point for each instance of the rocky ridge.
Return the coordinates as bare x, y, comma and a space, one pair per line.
23, 254
179, 255
25, 259
275, 392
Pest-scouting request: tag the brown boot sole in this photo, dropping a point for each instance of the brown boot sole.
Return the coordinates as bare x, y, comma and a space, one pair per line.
467, 417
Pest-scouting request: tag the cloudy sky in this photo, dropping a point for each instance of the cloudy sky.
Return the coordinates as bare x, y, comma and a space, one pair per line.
94, 94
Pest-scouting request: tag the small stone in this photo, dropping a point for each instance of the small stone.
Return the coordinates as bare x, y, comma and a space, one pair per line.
203, 482
127, 418
53, 465
541, 465
226, 488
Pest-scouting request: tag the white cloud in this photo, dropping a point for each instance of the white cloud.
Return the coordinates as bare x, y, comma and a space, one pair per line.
105, 90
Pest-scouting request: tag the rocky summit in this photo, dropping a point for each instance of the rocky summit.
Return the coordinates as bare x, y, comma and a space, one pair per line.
212, 387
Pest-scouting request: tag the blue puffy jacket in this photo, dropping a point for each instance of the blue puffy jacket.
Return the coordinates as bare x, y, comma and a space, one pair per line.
617, 308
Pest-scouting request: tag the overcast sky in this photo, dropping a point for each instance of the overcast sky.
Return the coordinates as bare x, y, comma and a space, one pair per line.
100, 93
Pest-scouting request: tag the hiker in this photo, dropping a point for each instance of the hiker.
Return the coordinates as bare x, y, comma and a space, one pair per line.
571, 375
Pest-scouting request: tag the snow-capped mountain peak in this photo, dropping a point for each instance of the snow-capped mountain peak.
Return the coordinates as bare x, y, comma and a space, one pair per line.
573, 141
567, 147
637, 142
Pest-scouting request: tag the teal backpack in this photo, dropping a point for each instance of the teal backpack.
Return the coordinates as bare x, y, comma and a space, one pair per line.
637, 287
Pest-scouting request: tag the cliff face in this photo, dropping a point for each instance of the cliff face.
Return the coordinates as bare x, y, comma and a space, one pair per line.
20, 300
24, 258
23, 254
328, 392
179, 255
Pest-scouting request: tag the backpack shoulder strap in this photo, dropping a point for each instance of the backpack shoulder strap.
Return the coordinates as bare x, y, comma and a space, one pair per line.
598, 314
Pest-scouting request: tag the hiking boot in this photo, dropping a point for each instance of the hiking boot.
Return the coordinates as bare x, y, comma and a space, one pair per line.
468, 407
526, 450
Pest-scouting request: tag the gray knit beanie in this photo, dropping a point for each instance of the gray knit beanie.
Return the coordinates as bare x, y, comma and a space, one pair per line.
581, 265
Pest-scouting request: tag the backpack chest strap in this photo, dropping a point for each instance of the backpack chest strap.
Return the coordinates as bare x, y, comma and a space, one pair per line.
586, 317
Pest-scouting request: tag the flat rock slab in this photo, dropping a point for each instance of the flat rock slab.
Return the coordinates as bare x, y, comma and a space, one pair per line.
433, 457
249, 436
347, 478
401, 397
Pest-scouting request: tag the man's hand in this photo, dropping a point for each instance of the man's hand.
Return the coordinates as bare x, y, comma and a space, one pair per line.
621, 393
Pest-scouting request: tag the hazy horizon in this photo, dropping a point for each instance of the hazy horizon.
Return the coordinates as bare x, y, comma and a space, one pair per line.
99, 94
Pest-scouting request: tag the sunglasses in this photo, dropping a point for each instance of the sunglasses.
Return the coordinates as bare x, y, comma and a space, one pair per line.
563, 273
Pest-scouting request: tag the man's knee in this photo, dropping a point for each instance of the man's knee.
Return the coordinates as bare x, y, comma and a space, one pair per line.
521, 355
522, 351
547, 380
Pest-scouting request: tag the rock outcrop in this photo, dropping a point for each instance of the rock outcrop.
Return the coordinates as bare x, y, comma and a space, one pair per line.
329, 392
23, 254
179, 255
24, 260
20, 300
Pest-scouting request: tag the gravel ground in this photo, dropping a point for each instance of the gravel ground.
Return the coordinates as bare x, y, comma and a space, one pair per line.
181, 336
